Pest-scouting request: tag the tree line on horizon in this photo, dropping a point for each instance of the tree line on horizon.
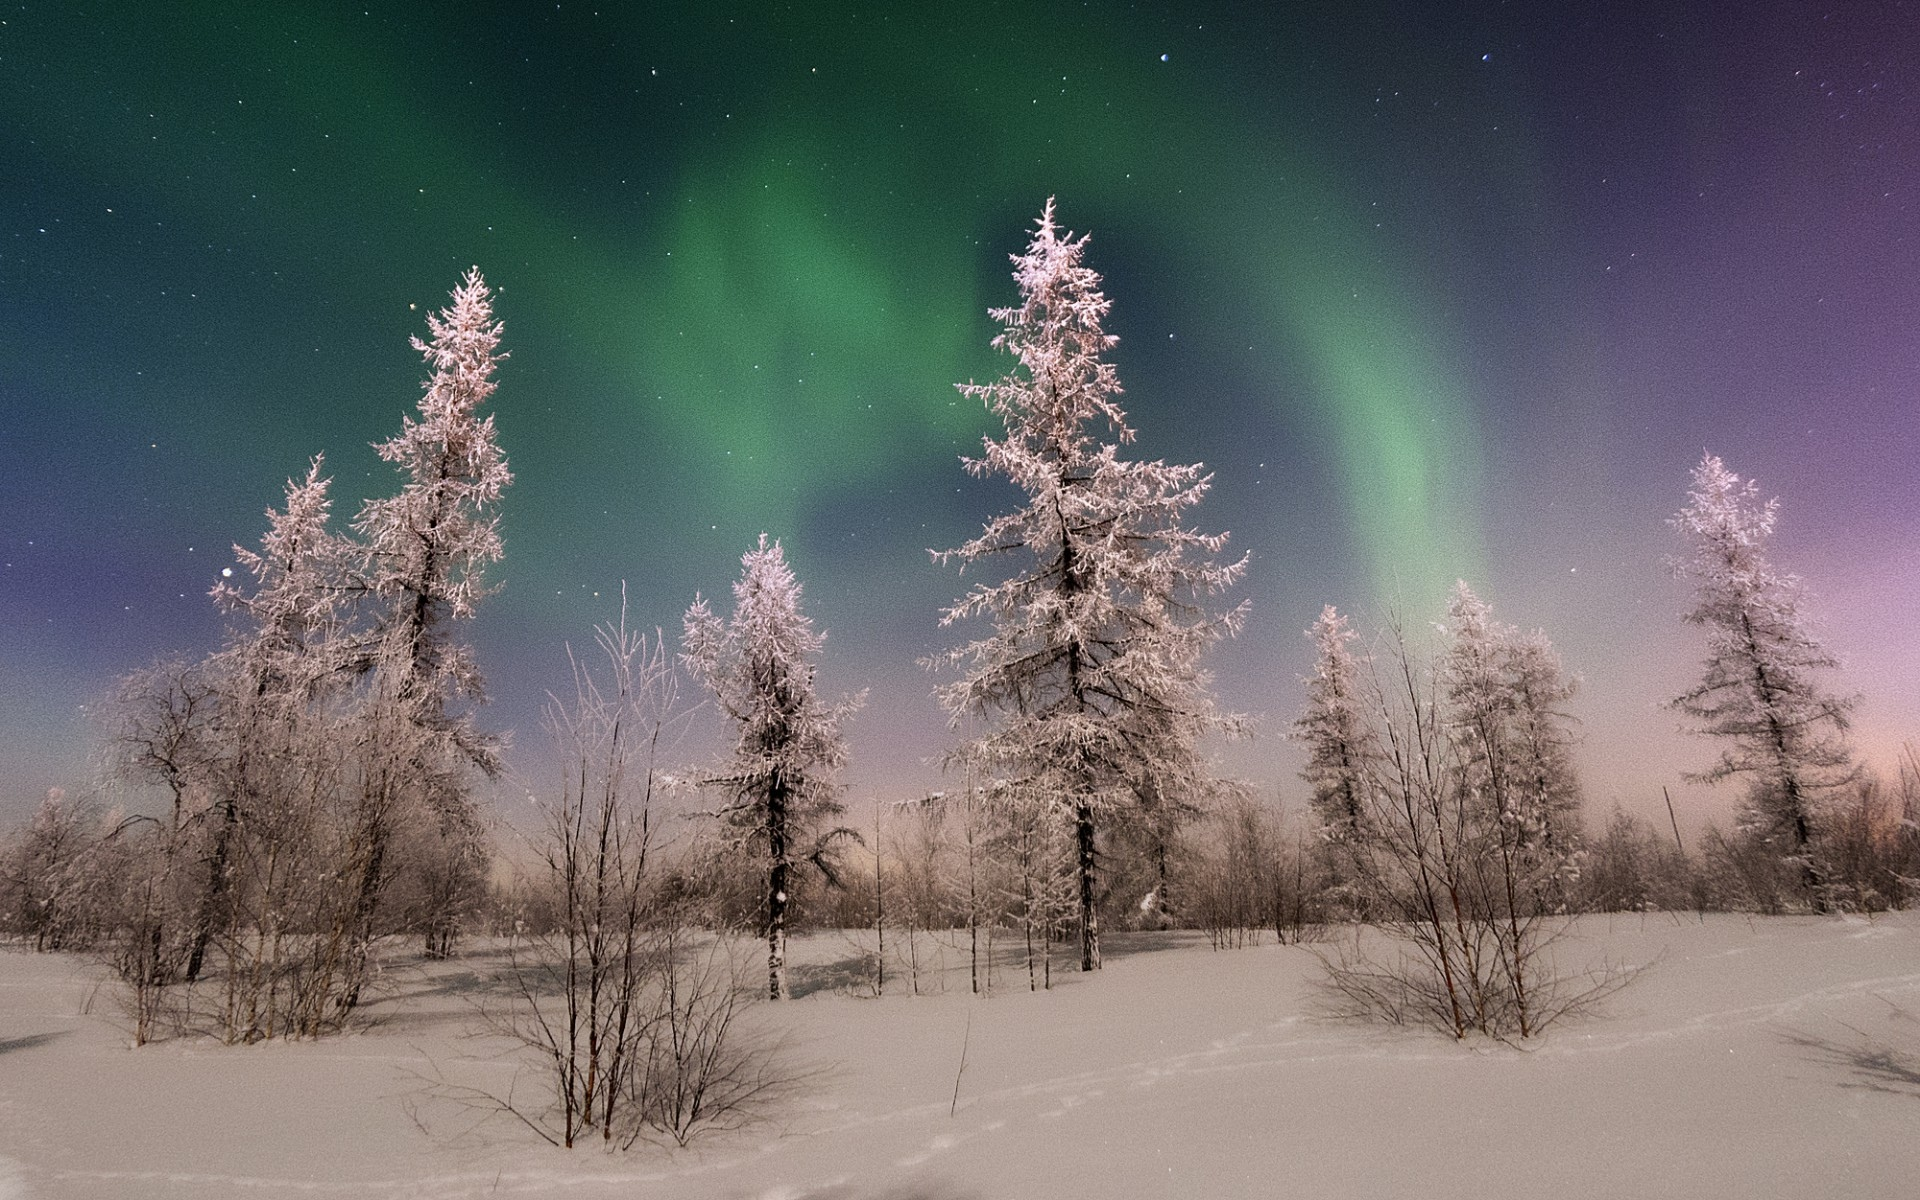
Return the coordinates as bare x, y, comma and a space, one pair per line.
322, 767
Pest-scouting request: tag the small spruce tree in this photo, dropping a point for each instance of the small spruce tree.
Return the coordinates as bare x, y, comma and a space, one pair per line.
1335, 731
1507, 693
779, 786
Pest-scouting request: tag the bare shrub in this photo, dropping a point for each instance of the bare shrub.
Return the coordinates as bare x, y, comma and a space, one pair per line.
1745, 871
1460, 895
1865, 845
580, 981
632, 1016
143, 945
698, 1069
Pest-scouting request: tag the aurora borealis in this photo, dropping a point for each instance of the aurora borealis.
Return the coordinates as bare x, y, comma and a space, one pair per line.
1436, 290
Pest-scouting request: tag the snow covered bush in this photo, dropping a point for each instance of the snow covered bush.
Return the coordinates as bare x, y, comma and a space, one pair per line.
1869, 845
50, 894
1634, 867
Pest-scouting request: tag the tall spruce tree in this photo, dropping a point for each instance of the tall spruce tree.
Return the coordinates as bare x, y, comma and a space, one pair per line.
1089, 681
779, 787
427, 548
1759, 695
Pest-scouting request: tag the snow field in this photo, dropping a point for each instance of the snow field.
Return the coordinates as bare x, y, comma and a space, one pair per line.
1755, 1057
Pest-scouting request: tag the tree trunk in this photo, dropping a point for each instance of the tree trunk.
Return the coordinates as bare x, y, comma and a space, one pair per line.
366, 902
778, 876
1161, 876
212, 900
1089, 918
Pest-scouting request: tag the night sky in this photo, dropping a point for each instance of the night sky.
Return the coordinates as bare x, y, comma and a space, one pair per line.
1435, 290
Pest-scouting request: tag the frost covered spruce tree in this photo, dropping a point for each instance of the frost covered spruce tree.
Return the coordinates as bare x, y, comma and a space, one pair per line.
1342, 752
780, 785
1088, 683
427, 549
269, 740
1506, 692
1335, 731
1759, 696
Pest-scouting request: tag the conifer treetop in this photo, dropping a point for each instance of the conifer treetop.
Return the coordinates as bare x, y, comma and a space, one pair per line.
295, 599
438, 534
1056, 336
1106, 615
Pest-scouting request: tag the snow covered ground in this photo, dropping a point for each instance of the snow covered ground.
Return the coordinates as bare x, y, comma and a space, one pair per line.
1755, 1058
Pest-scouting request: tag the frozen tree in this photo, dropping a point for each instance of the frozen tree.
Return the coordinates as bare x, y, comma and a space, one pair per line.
1334, 729
244, 743
427, 549
1759, 696
1514, 773
165, 720
1342, 751
277, 664
46, 883
1545, 785
277, 869
1507, 692
1088, 681
780, 783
